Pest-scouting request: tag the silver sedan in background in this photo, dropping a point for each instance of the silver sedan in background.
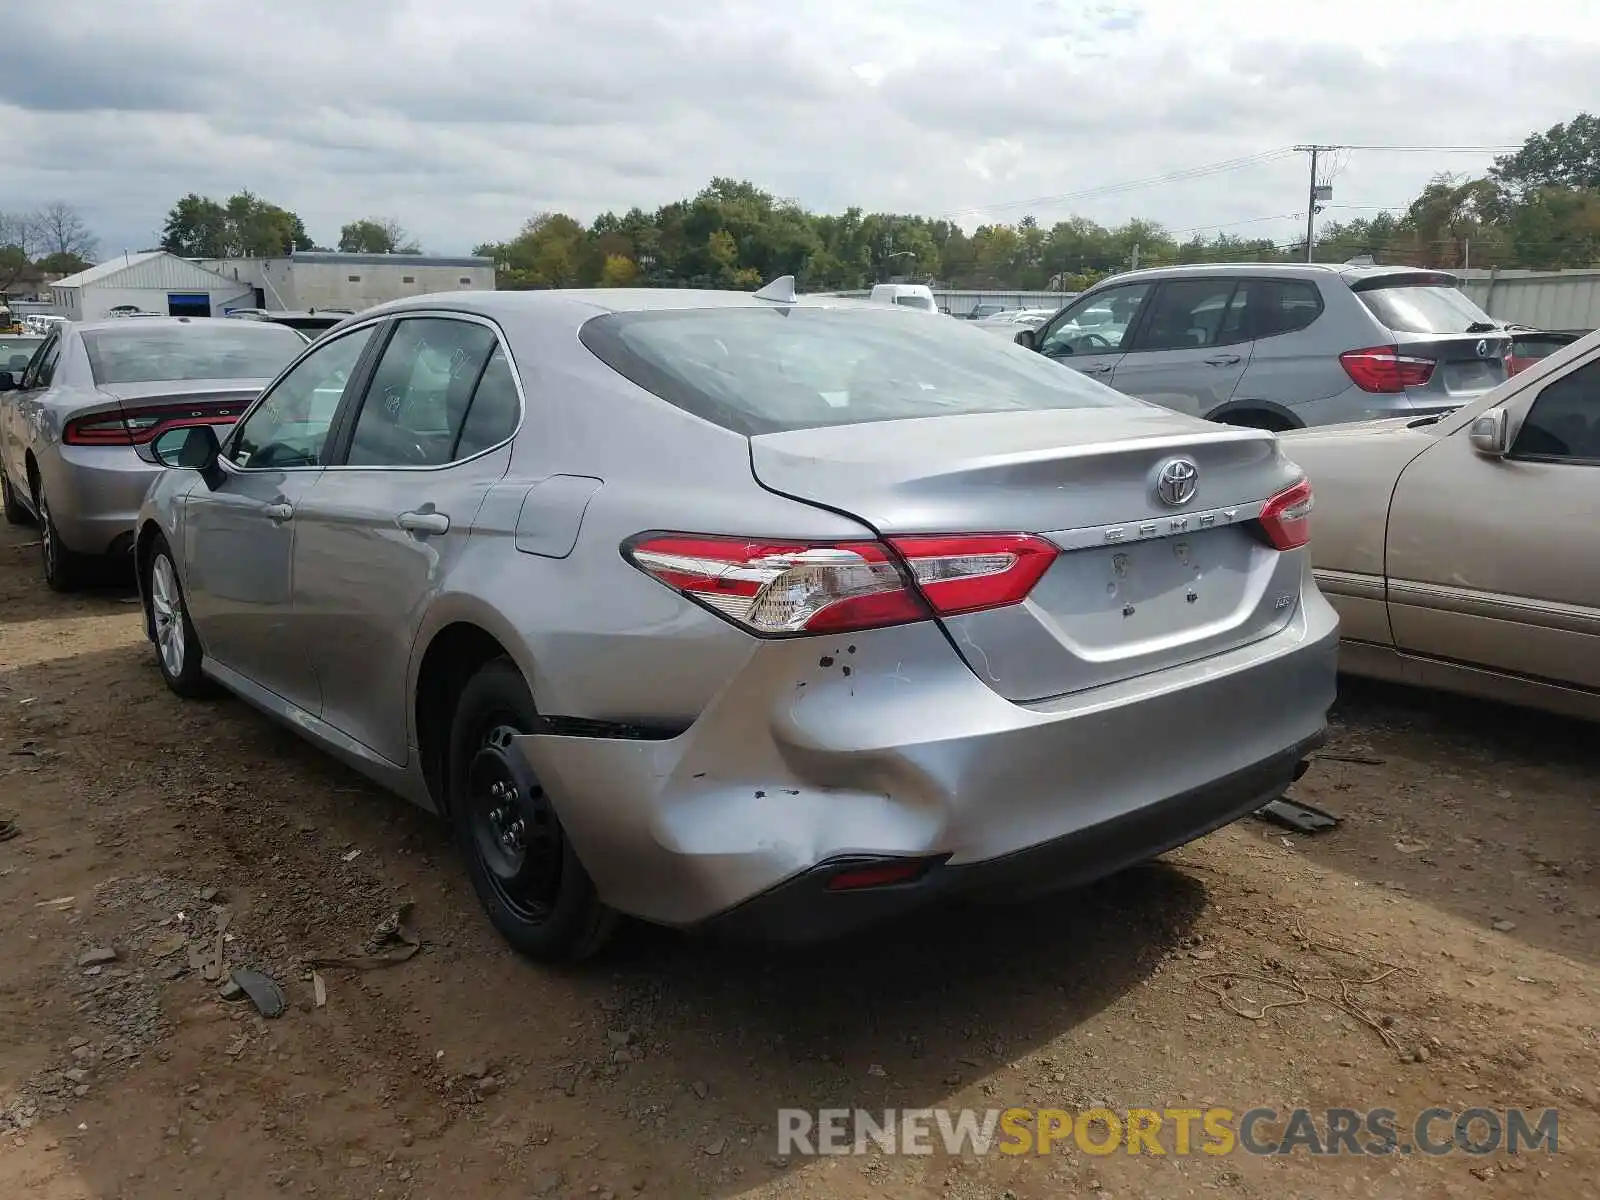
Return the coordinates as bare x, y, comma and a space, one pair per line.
738, 611
90, 394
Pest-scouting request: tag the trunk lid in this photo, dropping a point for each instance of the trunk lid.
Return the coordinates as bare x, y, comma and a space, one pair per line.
1468, 364
1140, 584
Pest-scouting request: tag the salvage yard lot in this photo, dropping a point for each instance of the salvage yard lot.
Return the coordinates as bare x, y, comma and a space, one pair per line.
1465, 882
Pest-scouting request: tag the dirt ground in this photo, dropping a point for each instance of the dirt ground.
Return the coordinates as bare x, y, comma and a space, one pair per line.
1444, 940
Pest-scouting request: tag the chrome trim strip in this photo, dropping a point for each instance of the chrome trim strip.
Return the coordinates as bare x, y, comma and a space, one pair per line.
1493, 606
1350, 583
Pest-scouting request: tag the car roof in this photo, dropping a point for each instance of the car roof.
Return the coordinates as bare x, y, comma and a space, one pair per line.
1346, 271
580, 304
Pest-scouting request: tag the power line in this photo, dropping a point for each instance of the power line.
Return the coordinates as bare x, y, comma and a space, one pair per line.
1197, 172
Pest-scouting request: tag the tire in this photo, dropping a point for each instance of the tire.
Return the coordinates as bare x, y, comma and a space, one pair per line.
15, 514
65, 570
178, 651
526, 874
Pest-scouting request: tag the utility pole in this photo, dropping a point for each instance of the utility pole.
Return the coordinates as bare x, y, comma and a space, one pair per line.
1314, 194
1135, 263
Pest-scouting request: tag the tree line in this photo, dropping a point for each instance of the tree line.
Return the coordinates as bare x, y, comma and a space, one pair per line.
1538, 208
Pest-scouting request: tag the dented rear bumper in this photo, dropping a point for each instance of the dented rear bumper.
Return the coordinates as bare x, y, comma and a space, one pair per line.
884, 744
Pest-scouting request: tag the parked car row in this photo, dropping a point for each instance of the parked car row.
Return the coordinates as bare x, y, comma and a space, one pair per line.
779, 615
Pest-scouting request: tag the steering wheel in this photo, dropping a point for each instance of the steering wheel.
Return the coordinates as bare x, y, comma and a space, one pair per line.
1095, 341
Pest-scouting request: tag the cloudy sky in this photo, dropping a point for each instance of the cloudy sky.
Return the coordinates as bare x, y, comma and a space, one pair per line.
462, 118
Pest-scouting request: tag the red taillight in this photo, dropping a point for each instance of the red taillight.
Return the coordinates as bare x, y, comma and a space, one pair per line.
1385, 369
776, 588
968, 574
144, 425
1287, 517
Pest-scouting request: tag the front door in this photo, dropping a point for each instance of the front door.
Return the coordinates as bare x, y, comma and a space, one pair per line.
239, 536
1495, 562
1191, 350
1089, 336
379, 533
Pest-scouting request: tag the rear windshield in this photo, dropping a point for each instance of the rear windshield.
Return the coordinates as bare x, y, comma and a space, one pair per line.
202, 350
1412, 308
759, 370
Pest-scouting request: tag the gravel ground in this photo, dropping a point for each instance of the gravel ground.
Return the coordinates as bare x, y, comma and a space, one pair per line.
1439, 948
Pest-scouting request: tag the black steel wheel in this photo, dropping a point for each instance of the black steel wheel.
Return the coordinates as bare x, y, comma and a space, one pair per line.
522, 865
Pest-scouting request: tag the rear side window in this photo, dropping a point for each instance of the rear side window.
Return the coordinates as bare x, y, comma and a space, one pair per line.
418, 398
1188, 314
1425, 308
202, 350
495, 410
765, 370
1279, 306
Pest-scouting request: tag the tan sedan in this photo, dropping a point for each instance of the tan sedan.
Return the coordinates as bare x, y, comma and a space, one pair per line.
1463, 552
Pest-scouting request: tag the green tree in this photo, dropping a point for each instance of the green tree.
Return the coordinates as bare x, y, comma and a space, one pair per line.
243, 226
376, 235
619, 271
1565, 155
196, 227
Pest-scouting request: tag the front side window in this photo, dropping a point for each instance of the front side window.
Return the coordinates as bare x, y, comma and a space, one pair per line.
289, 428
141, 353
417, 401
1095, 325
1564, 422
765, 370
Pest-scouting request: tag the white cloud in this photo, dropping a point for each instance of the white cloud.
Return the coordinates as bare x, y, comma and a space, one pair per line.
463, 119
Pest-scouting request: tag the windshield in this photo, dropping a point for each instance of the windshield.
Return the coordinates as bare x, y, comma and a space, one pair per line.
173, 353
1420, 308
768, 370
922, 302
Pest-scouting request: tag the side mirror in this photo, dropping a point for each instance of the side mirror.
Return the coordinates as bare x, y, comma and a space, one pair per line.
1027, 339
189, 448
1491, 433
8, 382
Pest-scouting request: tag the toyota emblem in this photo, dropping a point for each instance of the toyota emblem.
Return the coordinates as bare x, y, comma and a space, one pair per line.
1177, 481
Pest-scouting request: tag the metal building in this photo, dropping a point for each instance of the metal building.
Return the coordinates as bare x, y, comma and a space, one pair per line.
150, 281
313, 280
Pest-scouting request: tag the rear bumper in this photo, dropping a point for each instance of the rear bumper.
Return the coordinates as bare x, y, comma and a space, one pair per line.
804, 909
95, 494
885, 745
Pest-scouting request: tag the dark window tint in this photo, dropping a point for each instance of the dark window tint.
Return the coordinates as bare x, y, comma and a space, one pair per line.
1187, 314
495, 409
289, 428
1425, 308
417, 400
203, 349
1564, 421
1279, 306
1096, 324
762, 370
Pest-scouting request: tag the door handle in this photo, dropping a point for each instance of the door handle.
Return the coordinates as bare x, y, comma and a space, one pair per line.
1102, 369
279, 513
1222, 360
424, 522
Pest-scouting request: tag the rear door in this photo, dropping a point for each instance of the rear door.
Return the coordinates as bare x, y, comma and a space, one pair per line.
1088, 336
1192, 346
380, 529
1431, 321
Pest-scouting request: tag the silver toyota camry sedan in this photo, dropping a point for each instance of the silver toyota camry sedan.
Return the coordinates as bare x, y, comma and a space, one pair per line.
743, 612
